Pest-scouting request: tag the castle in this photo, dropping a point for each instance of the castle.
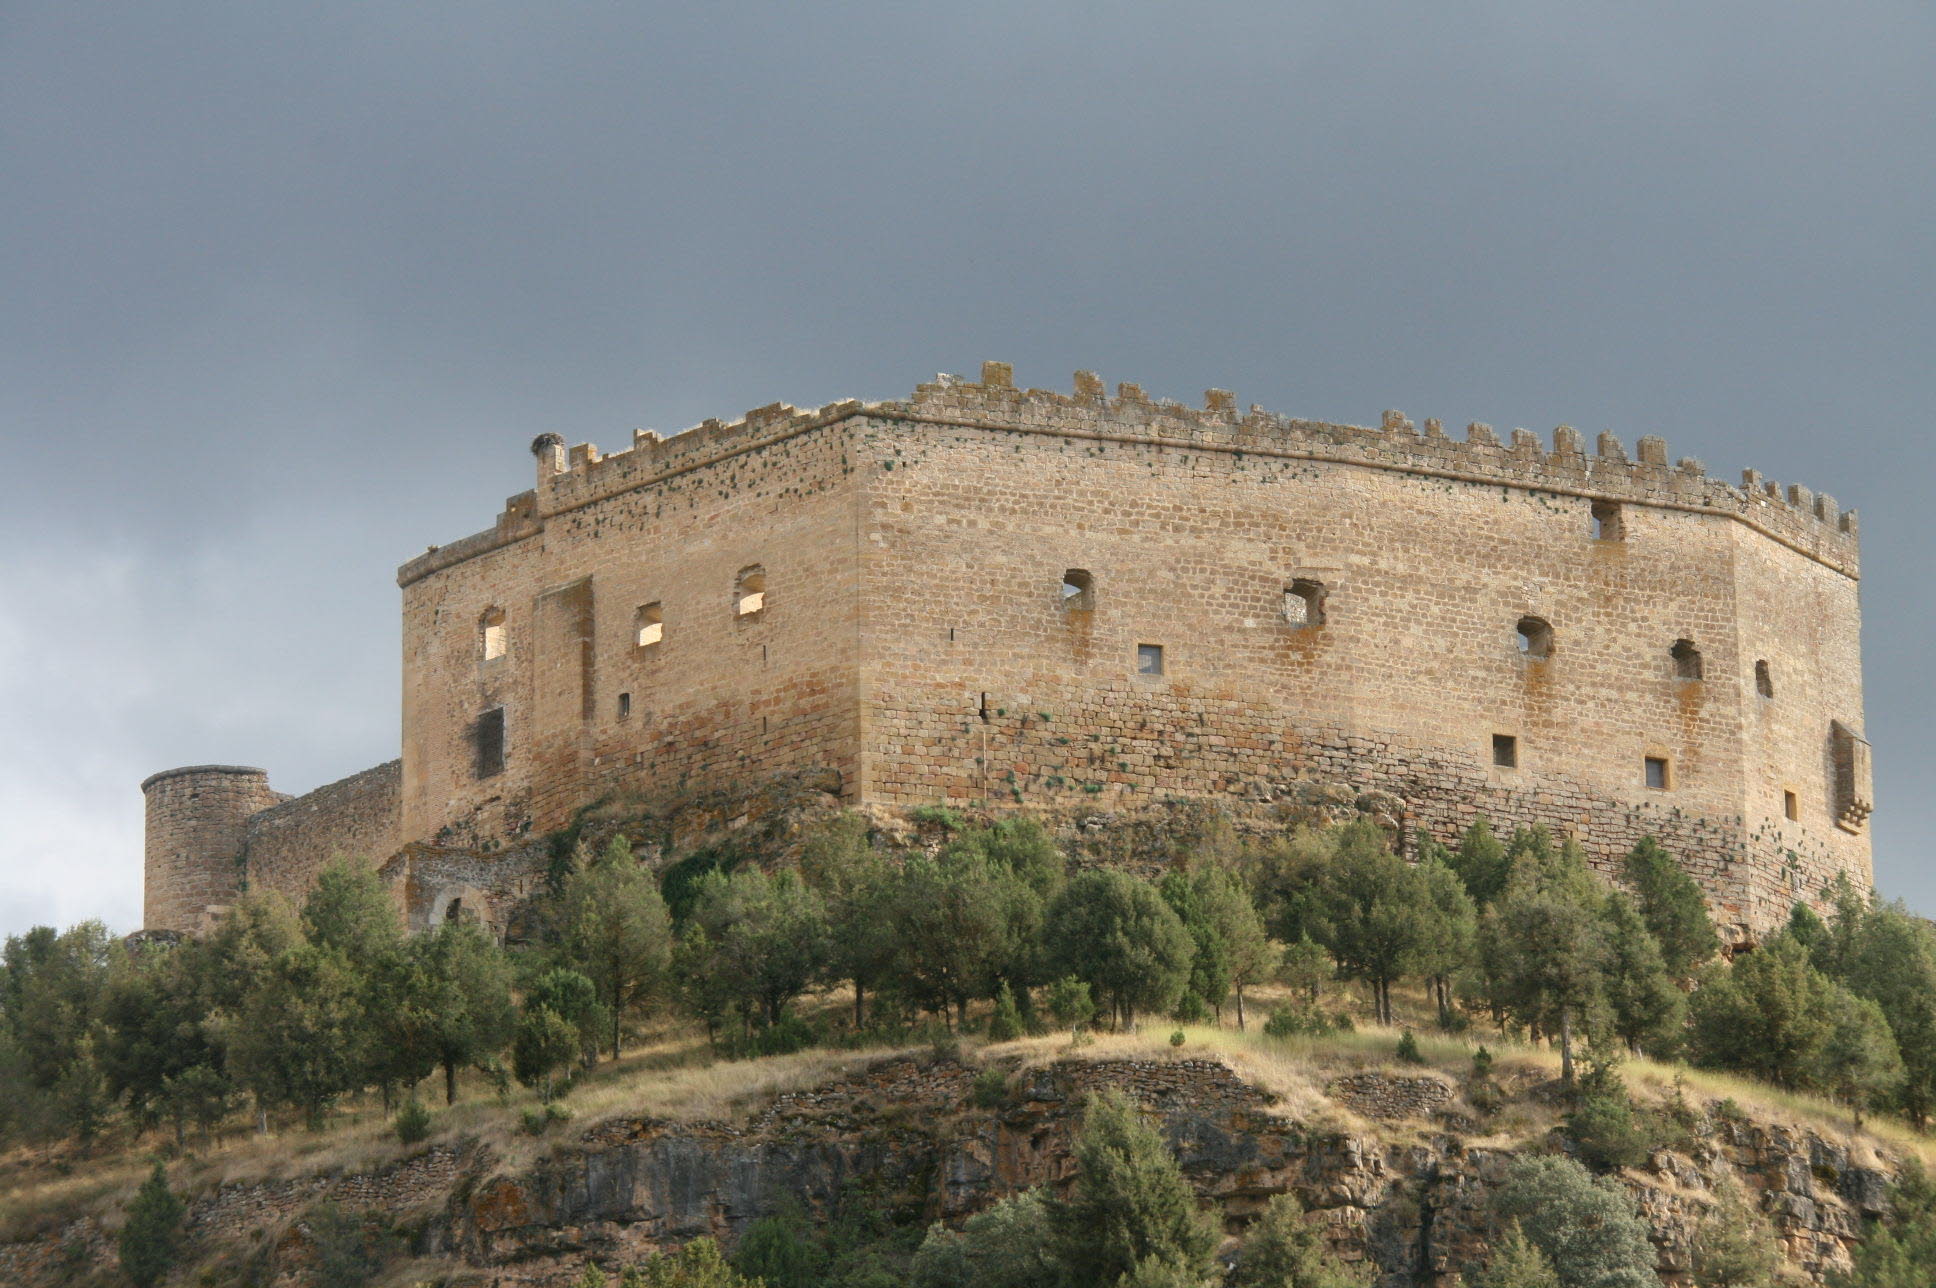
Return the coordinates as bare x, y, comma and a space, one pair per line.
1004, 598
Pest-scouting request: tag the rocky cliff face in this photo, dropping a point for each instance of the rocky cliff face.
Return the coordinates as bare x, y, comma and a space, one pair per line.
1407, 1194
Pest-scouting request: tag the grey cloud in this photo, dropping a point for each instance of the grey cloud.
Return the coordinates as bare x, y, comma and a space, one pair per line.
289, 287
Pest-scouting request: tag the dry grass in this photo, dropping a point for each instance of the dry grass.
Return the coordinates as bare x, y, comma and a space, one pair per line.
669, 1073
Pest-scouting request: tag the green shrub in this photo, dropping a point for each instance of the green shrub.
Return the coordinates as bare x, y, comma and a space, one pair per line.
151, 1237
1282, 1248
936, 816
1585, 1225
1602, 1124
991, 1088
1006, 1023
413, 1122
1408, 1052
1482, 1063
1294, 1019
1177, 1039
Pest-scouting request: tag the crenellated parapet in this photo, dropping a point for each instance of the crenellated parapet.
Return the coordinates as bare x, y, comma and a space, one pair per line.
570, 478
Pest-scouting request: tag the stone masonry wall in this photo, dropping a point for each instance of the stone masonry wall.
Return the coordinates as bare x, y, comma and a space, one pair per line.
355, 818
982, 684
911, 634
197, 817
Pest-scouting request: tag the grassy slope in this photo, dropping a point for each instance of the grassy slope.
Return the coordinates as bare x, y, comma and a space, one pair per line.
669, 1073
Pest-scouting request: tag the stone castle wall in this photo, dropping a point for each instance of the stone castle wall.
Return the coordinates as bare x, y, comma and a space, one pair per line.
912, 633
197, 822
356, 818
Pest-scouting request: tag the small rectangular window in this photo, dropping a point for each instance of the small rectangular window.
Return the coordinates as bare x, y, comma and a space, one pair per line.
1505, 751
624, 705
648, 625
1149, 659
488, 742
1657, 773
1791, 808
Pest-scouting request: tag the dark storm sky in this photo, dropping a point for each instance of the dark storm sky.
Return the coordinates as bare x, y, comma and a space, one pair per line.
285, 290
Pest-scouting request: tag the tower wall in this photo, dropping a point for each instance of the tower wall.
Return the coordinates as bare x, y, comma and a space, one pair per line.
197, 827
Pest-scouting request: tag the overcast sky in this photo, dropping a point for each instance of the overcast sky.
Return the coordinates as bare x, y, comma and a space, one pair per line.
286, 289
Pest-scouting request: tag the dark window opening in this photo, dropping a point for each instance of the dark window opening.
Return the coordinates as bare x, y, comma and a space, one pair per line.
1764, 680
1304, 603
1149, 659
1505, 751
488, 742
749, 591
1687, 660
648, 625
1657, 773
1535, 637
984, 708
624, 705
1608, 525
1078, 591
1791, 808
454, 910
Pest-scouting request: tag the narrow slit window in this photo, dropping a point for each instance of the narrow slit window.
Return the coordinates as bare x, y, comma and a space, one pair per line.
1687, 660
1304, 603
1608, 523
1764, 679
1505, 751
488, 742
624, 706
749, 591
1656, 770
1078, 591
494, 639
1149, 659
1535, 637
648, 625
1791, 807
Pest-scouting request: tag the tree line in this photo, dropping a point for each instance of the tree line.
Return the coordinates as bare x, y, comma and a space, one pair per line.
288, 1010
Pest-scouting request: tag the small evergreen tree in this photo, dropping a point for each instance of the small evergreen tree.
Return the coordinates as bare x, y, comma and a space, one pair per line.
1004, 1246
780, 1252
699, 1264
1372, 911
1283, 1250
1516, 1263
1481, 863
1071, 1005
614, 930
1734, 1245
1672, 906
1648, 1011
151, 1237
1116, 932
1130, 1202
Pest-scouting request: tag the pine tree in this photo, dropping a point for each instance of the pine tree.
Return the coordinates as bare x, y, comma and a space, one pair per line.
1516, 1263
857, 886
1004, 1246
1130, 1201
1544, 943
1672, 905
1768, 1014
1859, 1063
1734, 1245
1892, 961
1283, 1250
1648, 1010
1451, 930
1115, 932
614, 930
1481, 863
1371, 911
151, 1237
698, 1264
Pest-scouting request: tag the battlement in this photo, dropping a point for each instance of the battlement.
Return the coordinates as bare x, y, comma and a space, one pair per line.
1809, 522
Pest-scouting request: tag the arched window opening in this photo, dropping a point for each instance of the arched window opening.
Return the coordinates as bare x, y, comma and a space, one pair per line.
1304, 603
1535, 637
1078, 591
648, 625
1764, 679
492, 626
624, 706
1687, 660
749, 591
454, 910
1608, 523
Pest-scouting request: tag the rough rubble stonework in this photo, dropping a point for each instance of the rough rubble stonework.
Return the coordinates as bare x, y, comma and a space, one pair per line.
1332, 603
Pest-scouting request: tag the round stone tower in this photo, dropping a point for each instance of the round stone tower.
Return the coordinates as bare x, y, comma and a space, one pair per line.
197, 821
